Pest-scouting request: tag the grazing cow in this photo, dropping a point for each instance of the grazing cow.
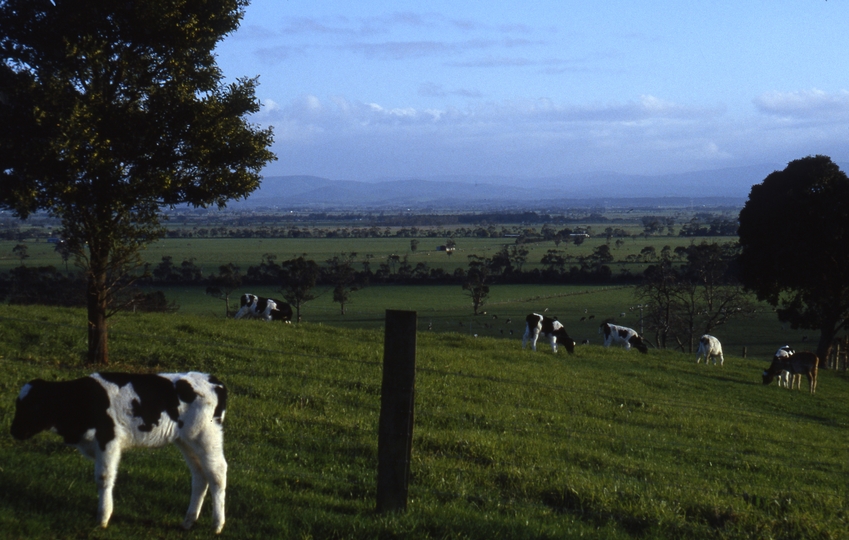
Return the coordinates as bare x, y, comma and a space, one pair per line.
796, 364
267, 309
105, 413
784, 378
552, 328
709, 347
622, 335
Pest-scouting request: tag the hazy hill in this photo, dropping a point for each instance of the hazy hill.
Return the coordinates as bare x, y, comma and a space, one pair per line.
724, 187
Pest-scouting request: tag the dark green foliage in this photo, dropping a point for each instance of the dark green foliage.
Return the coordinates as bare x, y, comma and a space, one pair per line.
298, 277
112, 110
794, 230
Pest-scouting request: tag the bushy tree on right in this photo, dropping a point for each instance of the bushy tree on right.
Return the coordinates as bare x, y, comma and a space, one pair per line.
794, 238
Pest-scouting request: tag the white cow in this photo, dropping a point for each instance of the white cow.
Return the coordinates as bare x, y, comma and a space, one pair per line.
709, 347
106, 413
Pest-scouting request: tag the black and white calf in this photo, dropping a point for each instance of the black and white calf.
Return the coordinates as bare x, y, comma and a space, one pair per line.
709, 347
267, 309
796, 364
106, 413
622, 335
552, 328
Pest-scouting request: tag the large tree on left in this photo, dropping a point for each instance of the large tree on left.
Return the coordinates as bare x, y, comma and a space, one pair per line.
111, 110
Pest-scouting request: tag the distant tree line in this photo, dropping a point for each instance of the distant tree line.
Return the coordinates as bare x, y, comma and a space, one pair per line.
526, 232
342, 274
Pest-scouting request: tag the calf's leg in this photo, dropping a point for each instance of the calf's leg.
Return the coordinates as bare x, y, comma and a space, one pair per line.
105, 473
205, 457
199, 485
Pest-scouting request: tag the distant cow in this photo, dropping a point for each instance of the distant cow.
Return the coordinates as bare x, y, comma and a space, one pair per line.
622, 335
797, 364
106, 413
552, 328
267, 309
709, 347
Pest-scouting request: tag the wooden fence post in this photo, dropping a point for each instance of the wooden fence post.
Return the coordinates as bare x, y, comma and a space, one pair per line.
395, 434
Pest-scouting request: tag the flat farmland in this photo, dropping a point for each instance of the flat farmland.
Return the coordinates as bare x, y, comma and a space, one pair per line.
445, 308
210, 253
441, 308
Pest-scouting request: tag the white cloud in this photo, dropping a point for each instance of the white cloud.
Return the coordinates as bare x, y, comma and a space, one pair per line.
805, 104
340, 138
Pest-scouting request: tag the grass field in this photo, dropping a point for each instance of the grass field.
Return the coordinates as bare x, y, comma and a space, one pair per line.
209, 253
442, 308
507, 444
445, 308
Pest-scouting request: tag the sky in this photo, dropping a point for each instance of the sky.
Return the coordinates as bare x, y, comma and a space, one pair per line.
539, 89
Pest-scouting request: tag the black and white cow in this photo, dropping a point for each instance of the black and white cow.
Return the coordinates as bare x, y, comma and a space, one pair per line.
552, 328
622, 335
106, 413
267, 309
796, 364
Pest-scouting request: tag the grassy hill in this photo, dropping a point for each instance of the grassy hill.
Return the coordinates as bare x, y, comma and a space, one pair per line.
507, 443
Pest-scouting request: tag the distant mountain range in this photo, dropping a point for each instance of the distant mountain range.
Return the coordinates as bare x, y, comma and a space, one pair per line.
724, 187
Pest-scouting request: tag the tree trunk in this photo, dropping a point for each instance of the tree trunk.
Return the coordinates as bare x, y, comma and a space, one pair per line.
98, 349
825, 343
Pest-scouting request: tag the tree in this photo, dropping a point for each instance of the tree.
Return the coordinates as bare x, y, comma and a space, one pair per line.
299, 277
21, 251
61, 247
475, 284
686, 302
113, 110
794, 229
554, 261
341, 274
228, 280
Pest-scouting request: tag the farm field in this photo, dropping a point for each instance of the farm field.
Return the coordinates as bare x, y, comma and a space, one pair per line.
445, 308
210, 253
440, 308
507, 444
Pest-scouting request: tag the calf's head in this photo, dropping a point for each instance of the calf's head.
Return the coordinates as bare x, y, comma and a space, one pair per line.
32, 414
637, 342
563, 339
767, 378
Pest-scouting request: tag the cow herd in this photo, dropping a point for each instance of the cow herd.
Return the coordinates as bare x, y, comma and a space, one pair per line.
106, 413
787, 365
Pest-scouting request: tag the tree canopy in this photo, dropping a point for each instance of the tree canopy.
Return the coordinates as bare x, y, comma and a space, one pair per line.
794, 233
112, 110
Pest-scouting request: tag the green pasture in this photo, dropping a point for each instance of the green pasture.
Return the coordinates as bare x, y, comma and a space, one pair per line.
447, 308
441, 308
507, 444
211, 253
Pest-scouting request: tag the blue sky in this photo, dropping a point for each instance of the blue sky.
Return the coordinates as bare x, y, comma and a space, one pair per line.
400, 89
